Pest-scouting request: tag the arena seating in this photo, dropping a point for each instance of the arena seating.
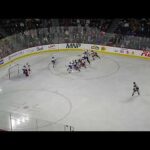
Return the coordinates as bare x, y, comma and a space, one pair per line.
19, 34
136, 27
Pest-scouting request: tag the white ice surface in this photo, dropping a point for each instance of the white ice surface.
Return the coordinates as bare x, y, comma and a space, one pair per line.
96, 99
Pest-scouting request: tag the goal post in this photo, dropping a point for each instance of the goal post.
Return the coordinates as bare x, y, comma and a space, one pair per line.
13, 71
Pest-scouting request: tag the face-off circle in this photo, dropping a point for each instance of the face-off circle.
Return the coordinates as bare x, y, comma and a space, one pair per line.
41, 104
98, 68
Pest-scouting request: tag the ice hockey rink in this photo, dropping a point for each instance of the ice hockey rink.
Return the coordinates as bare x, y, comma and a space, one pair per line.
96, 99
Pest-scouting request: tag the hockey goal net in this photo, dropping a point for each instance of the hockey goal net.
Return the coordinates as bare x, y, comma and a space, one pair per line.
13, 71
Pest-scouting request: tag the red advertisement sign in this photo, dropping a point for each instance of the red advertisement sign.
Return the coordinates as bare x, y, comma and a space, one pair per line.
146, 53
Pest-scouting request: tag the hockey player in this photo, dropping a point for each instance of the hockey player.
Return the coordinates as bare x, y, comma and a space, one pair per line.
135, 89
70, 67
97, 55
94, 54
25, 71
75, 64
82, 61
53, 61
28, 68
79, 63
86, 56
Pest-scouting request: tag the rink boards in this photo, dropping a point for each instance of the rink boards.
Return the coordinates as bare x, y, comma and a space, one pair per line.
71, 47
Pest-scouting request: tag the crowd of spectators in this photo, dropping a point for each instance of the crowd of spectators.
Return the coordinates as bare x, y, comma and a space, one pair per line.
102, 24
59, 35
43, 36
136, 27
35, 32
13, 26
6, 48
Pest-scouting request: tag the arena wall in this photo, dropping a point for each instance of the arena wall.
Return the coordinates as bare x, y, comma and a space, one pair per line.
73, 47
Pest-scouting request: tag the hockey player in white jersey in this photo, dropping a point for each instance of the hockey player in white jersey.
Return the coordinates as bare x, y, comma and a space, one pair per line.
86, 56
